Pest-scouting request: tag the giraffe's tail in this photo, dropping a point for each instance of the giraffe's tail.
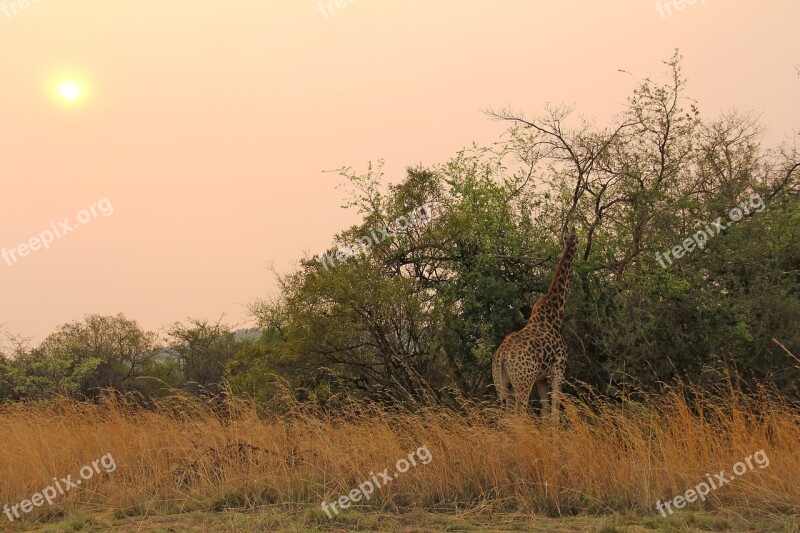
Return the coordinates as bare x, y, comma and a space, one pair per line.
500, 378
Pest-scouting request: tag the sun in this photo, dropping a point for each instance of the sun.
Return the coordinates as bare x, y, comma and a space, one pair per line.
70, 91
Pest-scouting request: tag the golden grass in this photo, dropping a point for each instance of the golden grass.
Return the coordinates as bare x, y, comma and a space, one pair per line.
604, 457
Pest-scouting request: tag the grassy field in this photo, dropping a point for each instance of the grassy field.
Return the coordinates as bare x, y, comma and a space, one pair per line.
181, 466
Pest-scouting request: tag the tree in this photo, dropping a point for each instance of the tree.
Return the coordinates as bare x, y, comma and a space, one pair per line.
13, 347
81, 359
202, 349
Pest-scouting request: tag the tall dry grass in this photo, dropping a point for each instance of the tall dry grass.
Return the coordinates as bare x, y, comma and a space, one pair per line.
602, 456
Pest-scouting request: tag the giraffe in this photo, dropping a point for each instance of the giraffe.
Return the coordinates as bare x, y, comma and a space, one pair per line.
537, 353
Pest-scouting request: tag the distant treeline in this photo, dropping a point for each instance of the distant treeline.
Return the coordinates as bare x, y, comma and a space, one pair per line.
82, 360
420, 313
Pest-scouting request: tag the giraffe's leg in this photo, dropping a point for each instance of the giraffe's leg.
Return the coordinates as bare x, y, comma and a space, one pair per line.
555, 393
522, 394
543, 392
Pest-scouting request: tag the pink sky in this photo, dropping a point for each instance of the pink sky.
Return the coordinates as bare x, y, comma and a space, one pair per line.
208, 125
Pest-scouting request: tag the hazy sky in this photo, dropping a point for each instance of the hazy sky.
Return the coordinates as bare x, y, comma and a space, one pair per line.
208, 125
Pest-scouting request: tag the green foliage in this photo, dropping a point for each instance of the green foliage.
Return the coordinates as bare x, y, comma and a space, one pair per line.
112, 353
81, 359
202, 350
420, 314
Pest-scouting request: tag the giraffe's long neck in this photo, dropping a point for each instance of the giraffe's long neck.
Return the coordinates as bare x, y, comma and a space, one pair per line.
550, 307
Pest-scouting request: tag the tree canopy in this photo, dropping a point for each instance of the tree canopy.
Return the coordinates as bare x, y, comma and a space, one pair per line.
421, 314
